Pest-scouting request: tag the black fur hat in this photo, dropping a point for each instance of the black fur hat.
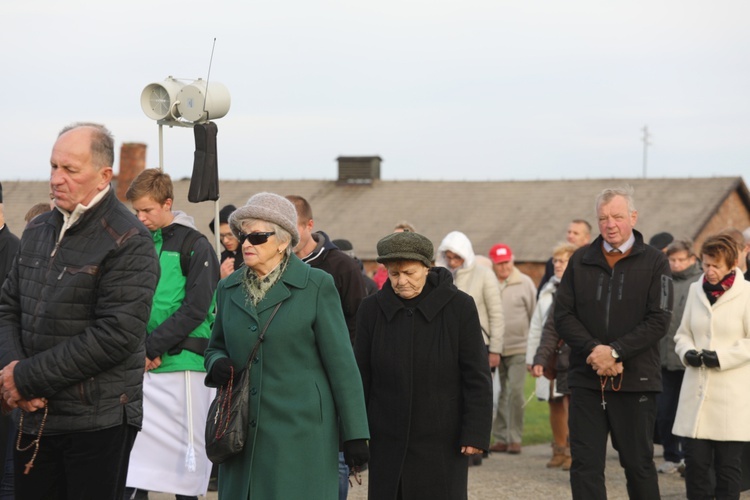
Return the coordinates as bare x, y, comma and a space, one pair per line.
223, 216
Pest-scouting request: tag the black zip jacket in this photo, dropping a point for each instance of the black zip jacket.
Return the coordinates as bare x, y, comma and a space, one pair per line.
74, 313
346, 275
627, 307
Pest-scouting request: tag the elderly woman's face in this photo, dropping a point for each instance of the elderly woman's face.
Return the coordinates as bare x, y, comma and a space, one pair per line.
715, 268
264, 257
407, 277
560, 263
453, 259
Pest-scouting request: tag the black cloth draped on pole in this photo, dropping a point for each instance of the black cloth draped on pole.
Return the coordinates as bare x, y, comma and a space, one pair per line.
204, 183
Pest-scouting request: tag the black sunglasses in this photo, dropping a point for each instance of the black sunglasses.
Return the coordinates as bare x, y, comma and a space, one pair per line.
255, 238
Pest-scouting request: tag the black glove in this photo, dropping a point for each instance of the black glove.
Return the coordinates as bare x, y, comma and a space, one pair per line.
710, 359
693, 358
222, 371
356, 453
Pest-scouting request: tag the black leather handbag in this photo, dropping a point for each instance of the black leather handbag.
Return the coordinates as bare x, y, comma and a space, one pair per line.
226, 424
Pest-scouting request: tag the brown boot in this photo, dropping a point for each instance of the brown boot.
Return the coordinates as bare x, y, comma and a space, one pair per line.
558, 457
568, 459
499, 447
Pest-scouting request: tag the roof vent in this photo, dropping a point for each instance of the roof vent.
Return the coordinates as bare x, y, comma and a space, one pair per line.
358, 169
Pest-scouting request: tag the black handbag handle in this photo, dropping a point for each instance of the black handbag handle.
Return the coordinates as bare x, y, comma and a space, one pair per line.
261, 336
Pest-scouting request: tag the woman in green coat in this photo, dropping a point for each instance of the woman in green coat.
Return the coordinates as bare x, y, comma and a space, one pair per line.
305, 386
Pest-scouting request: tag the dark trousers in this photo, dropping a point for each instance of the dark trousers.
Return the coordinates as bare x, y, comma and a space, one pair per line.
630, 418
136, 494
76, 466
6, 481
726, 458
666, 410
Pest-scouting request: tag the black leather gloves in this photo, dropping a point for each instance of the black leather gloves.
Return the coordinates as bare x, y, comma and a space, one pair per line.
356, 452
221, 371
707, 358
710, 359
693, 358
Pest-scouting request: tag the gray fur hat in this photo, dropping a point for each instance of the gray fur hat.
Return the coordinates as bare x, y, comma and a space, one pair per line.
405, 246
268, 207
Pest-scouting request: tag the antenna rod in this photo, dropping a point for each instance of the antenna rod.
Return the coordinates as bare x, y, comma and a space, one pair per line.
208, 77
646, 144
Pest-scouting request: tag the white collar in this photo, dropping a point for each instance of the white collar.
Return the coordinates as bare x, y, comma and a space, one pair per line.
624, 247
70, 218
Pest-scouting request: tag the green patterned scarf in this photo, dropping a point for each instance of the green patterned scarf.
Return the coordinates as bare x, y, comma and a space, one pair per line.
256, 287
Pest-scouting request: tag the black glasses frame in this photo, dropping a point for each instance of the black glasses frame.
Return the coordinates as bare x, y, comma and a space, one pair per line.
255, 238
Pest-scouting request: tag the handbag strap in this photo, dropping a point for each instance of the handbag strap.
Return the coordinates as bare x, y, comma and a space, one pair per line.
262, 335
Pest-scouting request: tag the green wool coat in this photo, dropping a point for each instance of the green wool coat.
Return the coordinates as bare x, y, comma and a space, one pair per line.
304, 378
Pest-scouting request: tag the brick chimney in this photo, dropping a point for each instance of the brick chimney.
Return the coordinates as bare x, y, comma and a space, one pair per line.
358, 169
132, 163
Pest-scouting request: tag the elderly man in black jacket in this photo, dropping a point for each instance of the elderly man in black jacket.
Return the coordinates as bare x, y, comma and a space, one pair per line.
612, 308
316, 249
73, 315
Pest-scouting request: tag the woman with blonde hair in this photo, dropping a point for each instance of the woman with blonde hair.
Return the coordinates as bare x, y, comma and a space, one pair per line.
543, 342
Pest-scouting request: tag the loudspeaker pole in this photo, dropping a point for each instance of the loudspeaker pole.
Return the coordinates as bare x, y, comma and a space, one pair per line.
646, 144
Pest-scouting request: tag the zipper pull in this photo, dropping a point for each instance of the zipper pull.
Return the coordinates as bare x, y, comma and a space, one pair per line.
62, 272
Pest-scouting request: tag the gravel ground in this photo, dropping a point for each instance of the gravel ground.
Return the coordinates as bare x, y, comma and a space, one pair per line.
524, 476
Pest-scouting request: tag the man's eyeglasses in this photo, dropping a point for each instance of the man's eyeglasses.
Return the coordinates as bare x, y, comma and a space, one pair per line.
255, 238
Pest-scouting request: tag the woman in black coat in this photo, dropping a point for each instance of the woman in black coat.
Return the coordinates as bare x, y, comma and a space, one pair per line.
427, 384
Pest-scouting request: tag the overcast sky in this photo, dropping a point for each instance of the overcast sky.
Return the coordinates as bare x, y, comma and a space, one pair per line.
441, 90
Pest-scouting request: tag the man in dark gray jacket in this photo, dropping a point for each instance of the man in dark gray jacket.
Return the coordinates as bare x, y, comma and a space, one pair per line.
613, 306
73, 315
685, 270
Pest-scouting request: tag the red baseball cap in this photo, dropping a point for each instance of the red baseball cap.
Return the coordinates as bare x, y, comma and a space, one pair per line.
501, 253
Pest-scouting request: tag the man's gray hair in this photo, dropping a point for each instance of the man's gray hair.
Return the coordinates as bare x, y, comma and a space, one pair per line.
608, 194
102, 143
681, 246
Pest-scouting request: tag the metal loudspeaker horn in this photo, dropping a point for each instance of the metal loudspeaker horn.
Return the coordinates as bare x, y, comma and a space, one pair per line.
173, 102
201, 101
158, 100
